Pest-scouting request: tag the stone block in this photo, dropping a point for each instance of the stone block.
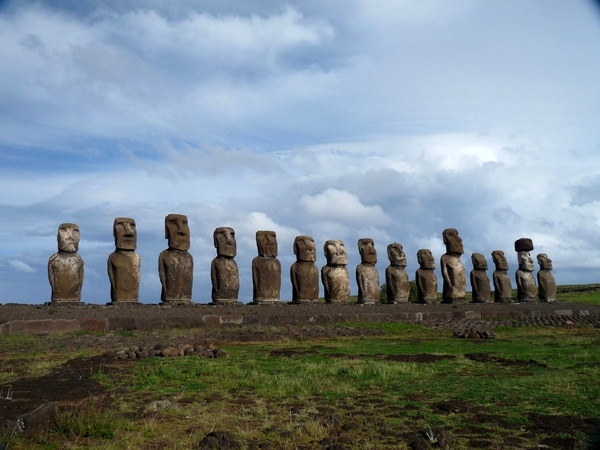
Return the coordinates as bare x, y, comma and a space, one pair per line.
40, 327
563, 312
90, 325
121, 323
149, 323
231, 320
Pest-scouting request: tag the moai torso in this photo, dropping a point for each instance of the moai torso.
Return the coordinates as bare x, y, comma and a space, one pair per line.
367, 276
453, 271
425, 278
396, 278
65, 268
304, 274
480, 283
224, 271
266, 269
546, 282
335, 278
502, 283
124, 263
176, 265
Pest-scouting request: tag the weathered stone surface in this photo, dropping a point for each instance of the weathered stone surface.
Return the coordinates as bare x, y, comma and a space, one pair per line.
396, 278
266, 270
304, 273
453, 271
334, 275
224, 271
546, 282
40, 327
90, 325
176, 265
480, 283
124, 263
367, 276
523, 245
502, 283
65, 268
527, 290
425, 277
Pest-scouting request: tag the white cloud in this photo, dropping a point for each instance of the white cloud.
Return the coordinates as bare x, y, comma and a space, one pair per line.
20, 266
335, 204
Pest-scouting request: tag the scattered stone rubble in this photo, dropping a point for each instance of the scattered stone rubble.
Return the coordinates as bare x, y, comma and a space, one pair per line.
166, 351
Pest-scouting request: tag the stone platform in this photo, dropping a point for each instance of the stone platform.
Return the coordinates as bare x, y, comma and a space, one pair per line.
64, 318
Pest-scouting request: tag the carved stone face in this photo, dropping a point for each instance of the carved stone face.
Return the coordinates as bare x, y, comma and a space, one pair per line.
68, 237
425, 259
499, 260
396, 255
177, 232
335, 252
125, 233
366, 248
452, 241
304, 249
525, 262
479, 261
224, 238
266, 241
544, 262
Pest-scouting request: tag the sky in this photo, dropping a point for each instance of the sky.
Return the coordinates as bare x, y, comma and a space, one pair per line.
387, 119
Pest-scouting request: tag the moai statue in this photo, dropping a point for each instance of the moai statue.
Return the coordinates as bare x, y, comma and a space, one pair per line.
527, 290
425, 277
304, 273
396, 278
545, 278
224, 270
367, 276
453, 271
334, 275
65, 268
124, 262
176, 265
502, 283
266, 270
480, 283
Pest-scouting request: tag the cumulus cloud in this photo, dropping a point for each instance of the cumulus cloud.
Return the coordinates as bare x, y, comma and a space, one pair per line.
335, 204
20, 266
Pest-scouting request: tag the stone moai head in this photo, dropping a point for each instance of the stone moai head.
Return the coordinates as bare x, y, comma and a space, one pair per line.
544, 262
177, 232
396, 255
125, 233
452, 241
525, 262
499, 260
224, 238
479, 261
266, 241
425, 259
304, 249
366, 249
335, 252
68, 237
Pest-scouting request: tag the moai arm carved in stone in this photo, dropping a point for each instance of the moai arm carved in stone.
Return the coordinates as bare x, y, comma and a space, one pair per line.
65, 268
480, 283
124, 263
224, 270
334, 275
396, 278
367, 276
175, 264
266, 269
502, 283
453, 271
425, 277
546, 282
304, 274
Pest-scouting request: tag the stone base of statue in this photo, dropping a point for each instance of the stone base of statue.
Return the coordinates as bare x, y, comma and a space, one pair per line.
303, 301
454, 301
482, 300
503, 300
265, 301
395, 301
224, 301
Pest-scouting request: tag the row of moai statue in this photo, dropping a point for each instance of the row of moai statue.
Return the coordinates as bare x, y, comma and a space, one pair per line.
175, 268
